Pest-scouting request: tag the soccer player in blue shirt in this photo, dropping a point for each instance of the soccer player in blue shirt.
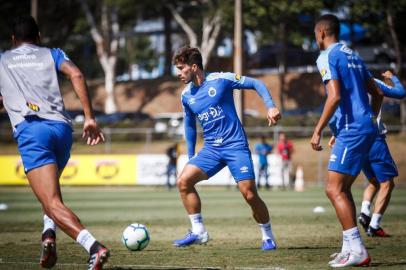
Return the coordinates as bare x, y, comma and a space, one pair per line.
209, 98
42, 129
263, 149
380, 169
347, 82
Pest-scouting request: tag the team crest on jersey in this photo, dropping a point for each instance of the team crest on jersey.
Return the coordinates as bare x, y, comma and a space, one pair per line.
212, 91
32, 106
237, 77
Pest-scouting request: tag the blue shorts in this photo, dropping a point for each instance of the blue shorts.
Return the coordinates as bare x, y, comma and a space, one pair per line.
350, 152
239, 161
42, 142
380, 164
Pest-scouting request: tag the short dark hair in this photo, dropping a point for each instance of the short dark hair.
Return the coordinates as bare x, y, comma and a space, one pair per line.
331, 24
25, 29
188, 55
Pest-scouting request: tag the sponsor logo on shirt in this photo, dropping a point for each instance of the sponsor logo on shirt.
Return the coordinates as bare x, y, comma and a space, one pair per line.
244, 169
33, 106
346, 49
213, 114
212, 91
333, 158
24, 50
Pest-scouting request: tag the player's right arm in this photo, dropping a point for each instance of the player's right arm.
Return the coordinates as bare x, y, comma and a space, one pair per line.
91, 131
190, 129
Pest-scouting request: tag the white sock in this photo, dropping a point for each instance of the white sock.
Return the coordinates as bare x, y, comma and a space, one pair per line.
197, 223
366, 208
48, 224
375, 220
346, 244
266, 230
85, 239
355, 240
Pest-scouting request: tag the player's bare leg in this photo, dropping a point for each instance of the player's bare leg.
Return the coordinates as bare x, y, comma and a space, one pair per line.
188, 178
45, 185
186, 182
259, 212
381, 203
370, 191
338, 190
250, 194
383, 197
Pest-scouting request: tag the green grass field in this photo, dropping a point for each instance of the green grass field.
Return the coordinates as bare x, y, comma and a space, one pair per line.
305, 239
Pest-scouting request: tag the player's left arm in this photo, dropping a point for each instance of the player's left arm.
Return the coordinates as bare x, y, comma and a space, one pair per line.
273, 114
332, 101
396, 91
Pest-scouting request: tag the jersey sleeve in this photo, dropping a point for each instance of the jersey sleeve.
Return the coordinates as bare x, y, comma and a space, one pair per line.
59, 57
333, 125
328, 67
190, 129
397, 91
236, 81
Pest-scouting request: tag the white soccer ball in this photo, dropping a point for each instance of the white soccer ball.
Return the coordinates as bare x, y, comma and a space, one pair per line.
135, 237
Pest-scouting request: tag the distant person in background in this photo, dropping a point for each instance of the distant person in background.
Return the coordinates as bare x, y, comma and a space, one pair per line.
285, 150
43, 131
171, 169
263, 149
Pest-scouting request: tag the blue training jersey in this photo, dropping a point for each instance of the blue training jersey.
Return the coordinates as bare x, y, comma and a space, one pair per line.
212, 103
354, 114
396, 91
262, 150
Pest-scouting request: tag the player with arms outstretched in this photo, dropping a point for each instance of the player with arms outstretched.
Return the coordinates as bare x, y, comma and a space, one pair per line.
347, 82
42, 129
209, 98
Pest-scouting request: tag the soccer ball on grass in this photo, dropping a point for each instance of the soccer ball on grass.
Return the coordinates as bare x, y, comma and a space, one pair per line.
135, 237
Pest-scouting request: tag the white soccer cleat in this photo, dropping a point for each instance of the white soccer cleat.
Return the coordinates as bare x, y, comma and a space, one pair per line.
351, 259
336, 257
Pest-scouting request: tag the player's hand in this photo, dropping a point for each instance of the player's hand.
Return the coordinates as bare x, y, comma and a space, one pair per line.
273, 116
387, 74
315, 141
332, 141
91, 132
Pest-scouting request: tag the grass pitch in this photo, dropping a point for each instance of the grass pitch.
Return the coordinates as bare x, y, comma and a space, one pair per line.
305, 239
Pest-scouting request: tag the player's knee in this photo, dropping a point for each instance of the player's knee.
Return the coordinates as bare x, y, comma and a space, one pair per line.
331, 192
182, 184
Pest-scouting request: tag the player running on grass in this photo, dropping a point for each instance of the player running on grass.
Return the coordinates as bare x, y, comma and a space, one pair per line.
42, 129
209, 98
347, 81
380, 169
